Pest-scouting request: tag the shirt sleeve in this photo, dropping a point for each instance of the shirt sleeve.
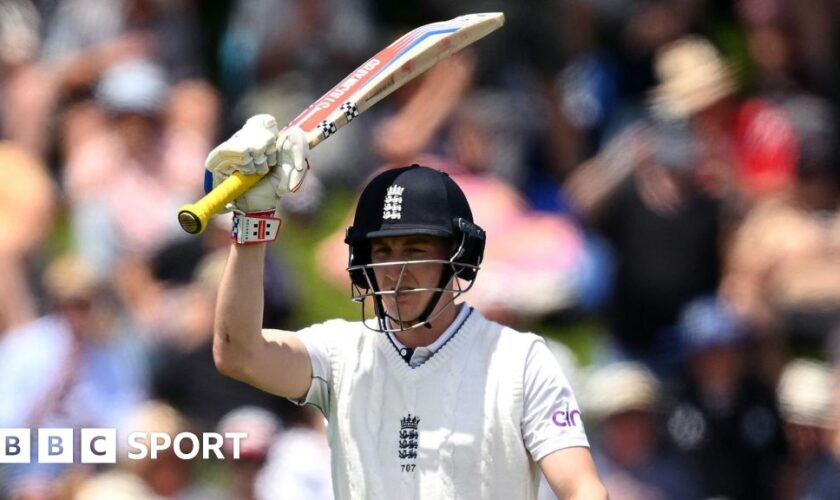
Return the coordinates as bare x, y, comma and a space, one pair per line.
318, 340
551, 418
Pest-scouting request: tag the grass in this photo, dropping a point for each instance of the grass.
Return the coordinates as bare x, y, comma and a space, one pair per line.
318, 299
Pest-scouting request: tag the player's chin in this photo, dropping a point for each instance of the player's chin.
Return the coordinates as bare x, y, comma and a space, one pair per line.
405, 307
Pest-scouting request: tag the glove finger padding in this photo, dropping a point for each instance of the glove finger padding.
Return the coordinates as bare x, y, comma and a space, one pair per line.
286, 177
252, 149
294, 150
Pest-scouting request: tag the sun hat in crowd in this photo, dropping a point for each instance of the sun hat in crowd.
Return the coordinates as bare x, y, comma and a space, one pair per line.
806, 394
619, 388
115, 485
692, 75
260, 426
68, 277
133, 86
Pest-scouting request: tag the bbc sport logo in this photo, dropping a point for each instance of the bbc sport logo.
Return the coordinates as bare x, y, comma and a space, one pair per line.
100, 446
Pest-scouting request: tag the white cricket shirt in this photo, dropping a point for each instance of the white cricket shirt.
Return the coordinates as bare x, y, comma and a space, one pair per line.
469, 421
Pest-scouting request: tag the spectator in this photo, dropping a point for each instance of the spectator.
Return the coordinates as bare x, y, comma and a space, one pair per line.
26, 216
805, 395
664, 230
620, 399
83, 38
647, 195
185, 375
75, 367
26, 88
665, 191
785, 256
114, 485
722, 416
298, 463
602, 86
125, 183
165, 477
813, 41
261, 428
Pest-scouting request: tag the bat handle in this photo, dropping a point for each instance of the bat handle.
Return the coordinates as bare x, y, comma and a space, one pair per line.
193, 217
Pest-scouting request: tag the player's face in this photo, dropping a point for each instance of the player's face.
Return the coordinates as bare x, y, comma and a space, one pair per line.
408, 304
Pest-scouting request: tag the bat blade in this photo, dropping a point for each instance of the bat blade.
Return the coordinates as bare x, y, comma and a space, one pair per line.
394, 66
391, 68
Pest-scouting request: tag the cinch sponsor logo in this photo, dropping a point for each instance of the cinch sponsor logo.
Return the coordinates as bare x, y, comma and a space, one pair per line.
566, 417
99, 446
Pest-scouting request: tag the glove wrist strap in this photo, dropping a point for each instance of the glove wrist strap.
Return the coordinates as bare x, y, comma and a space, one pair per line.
255, 227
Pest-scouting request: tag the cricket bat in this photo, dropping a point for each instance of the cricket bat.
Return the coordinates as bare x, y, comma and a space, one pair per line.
390, 69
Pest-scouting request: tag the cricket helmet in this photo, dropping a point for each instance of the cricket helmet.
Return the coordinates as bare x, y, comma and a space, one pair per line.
407, 201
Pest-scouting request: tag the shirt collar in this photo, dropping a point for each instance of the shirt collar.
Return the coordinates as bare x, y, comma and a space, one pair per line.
463, 312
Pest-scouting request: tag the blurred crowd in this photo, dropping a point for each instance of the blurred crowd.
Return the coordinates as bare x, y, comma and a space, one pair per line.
665, 170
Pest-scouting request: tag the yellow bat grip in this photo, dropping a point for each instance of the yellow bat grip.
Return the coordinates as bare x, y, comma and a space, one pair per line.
193, 217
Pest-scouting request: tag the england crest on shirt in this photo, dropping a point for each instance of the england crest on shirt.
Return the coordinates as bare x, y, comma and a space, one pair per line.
408, 437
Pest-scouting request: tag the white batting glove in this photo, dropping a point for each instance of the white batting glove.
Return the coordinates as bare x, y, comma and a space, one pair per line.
257, 148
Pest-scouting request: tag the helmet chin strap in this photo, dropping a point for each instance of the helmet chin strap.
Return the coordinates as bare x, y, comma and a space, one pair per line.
433, 301
382, 315
378, 307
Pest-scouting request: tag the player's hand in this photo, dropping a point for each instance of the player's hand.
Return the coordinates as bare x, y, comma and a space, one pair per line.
257, 148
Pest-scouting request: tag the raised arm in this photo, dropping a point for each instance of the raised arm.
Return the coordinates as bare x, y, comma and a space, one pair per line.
591, 186
272, 360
